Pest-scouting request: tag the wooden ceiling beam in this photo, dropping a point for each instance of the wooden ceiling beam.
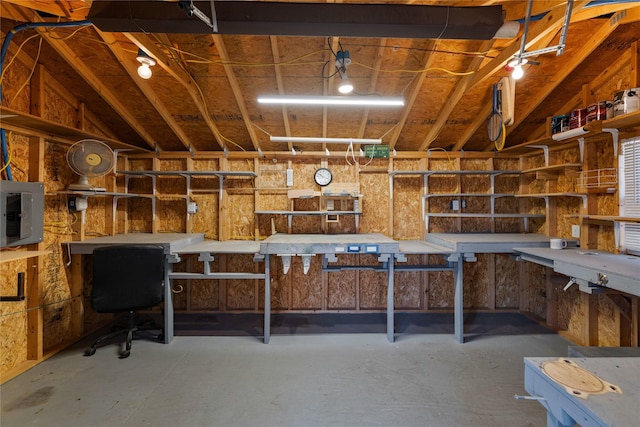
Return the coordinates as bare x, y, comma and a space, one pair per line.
372, 85
415, 91
177, 70
89, 76
235, 88
275, 52
601, 79
587, 47
548, 24
455, 96
125, 59
72, 9
543, 31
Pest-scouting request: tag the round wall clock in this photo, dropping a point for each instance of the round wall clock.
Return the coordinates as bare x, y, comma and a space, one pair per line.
323, 177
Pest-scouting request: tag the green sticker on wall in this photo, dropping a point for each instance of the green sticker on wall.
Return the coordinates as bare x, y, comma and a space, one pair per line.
377, 151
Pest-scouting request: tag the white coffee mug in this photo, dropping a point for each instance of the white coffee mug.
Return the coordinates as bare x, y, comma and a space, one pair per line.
557, 243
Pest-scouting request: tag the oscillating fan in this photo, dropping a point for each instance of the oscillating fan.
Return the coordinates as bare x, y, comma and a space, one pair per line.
89, 158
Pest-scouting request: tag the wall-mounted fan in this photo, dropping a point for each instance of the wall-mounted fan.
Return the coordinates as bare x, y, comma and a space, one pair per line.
89, 158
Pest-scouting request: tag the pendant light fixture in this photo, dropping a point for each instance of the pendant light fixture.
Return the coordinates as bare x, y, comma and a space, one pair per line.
146, 62
343, 60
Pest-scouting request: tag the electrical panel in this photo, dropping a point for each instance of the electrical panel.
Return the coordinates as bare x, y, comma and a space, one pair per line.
22, 213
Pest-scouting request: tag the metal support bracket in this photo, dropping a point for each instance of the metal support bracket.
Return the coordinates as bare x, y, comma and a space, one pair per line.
470, 257
400, 257
331, 257
173, 258
384, 257
306, 262
286, 263
206, 258
544, 148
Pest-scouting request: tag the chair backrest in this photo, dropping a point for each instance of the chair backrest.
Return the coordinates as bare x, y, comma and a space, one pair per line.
127, 277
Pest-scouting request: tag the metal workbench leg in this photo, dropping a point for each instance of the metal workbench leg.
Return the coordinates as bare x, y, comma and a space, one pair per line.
458, 303
267, 300
390, 308
168, 303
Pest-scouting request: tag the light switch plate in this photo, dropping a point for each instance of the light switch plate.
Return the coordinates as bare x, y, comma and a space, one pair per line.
289, 177
575, 231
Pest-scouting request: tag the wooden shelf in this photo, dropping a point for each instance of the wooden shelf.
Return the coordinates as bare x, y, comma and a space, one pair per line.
301, 213
94, 193
554, 169
612, 218
55, 131
482, 215
455, 172
223, 174
427, 196
7, 256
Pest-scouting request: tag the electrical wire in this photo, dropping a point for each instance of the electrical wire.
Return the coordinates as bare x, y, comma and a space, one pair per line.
28, 79
16, 55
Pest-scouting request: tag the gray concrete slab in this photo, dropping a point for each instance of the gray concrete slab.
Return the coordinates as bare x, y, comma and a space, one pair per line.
297, 380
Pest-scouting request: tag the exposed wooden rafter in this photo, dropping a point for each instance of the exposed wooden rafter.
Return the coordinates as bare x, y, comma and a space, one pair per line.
126, 61
174, 69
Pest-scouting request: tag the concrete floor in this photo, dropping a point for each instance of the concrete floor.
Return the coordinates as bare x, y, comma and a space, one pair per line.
296, 380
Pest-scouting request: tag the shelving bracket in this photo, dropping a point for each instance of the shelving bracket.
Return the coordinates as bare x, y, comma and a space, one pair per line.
544, 148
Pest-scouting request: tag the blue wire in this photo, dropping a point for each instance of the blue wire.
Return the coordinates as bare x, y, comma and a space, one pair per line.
5, 154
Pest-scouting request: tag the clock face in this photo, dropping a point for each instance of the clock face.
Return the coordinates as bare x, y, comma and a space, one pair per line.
323, 177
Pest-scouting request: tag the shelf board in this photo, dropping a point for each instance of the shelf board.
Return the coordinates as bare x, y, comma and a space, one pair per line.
427, 196
223, 174
455, 172
6, 256
554, 168
483, 215
55, 131
612, 218
94, 193
553, 195
300, 213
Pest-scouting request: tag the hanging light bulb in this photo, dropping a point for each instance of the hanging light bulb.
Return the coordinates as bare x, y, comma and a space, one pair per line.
144, 70
516, 66
345, 85
517, 72
342, 62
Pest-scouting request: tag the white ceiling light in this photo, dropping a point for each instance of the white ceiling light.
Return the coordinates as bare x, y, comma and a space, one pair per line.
516, 66
345, 86
342, 61
321, 140
365, 101
144, 70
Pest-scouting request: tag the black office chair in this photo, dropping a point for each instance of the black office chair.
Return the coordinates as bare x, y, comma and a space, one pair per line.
126, 278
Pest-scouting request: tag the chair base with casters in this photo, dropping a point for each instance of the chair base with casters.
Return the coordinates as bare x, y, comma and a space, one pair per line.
130, 331
126, 278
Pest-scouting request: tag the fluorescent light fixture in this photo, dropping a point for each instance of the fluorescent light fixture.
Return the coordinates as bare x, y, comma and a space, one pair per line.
320, 140
573, 133
366, 101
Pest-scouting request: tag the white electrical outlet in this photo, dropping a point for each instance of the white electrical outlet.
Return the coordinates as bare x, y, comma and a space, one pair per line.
575, 231
455, 205
289, 177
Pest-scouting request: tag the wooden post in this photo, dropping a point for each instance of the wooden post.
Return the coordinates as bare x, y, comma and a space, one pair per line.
35, 281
